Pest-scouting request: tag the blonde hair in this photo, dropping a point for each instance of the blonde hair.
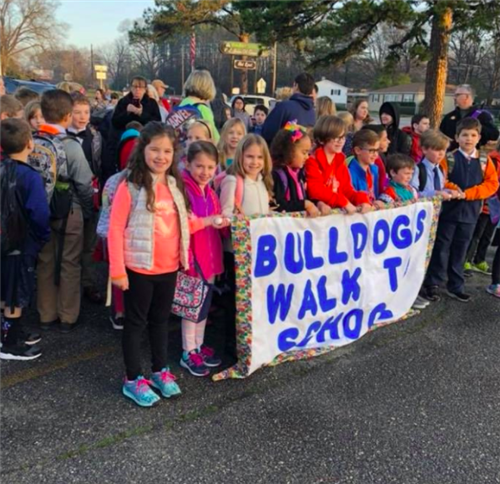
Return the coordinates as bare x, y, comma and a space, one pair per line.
237, 167
324, 105
283, 93
222, 145
348, 119
201, 85
153, 93
203, 124
434, 140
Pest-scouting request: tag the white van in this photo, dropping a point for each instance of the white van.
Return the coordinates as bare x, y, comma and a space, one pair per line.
251, 100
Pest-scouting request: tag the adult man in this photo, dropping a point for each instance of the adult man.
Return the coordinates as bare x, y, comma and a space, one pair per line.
420, 123
465, 108
299, 107
160, 87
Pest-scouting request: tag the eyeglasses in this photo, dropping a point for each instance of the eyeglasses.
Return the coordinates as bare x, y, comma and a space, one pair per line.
339, 138
137, 86
372, 151
458, 94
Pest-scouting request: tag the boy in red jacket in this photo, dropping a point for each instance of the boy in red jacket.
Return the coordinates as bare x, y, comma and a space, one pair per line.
420, 123
327, 176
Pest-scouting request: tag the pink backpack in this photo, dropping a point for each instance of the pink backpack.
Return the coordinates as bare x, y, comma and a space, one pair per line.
238, 194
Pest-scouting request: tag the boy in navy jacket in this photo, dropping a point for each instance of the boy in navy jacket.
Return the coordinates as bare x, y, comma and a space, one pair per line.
18, 264
476, 180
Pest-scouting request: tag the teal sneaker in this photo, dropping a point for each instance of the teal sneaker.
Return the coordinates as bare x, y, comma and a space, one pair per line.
140, 392
165, 382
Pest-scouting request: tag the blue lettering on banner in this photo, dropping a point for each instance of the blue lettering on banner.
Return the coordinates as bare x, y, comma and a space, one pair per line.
359, 233
286, 339
293, 266
266, 262
381, 228
334, 256
401, 238
312, 262
311, 331
379, 313
325, 303
391, 264
357, 316
350, 285
279, 301
420, 224
330, 325
308, 302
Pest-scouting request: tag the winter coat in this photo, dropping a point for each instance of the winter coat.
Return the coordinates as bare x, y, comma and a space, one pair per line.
400, 142
299, 107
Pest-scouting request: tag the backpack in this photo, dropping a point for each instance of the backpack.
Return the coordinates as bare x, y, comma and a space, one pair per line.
108, 195
238, 194
14, 221
477, 112
422, 177
49, 159
181, 117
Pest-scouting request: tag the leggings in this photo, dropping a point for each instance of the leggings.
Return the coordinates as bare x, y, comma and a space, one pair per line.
147, 305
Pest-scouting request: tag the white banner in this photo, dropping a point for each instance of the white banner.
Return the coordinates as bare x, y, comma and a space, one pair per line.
325, 282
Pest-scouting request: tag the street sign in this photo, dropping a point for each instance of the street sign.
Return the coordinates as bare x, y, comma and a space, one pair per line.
100, 68
100, 76
243, 48
249, 65
261, 86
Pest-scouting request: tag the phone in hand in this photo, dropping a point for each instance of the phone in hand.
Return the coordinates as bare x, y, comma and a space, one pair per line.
136, 102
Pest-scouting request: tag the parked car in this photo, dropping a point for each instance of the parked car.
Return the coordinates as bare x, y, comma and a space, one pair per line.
38, 86
251, 100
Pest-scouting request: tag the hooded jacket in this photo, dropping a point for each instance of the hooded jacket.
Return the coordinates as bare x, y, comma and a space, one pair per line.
489, 131
206, 244
400, 142
299, 107
416, 150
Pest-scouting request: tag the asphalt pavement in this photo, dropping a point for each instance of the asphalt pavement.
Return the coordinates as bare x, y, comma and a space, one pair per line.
412, 402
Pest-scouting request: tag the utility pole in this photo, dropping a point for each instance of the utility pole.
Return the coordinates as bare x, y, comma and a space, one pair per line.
275, 63
91, 64
182, 66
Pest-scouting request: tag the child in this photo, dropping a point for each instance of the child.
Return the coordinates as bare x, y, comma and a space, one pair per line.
400, 168
420, 123
348, 119
148, 241
364, 172
239, 112
327, 176
259, 117
10, 107
428, 177
61, 256
251, 171
232, 132
25, 95
381, 161
206, 247
289, 152
91, 142
485, 228
198, 131
33, 114
389, 117
478, 180
127, 143
22, 191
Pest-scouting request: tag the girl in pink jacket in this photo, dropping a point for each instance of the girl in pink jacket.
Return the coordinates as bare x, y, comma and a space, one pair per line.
205, 248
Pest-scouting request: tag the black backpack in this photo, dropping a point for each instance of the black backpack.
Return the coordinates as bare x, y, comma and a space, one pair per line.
422, 177
14, 225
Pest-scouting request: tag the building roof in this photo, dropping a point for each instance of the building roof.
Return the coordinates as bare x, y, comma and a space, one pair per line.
412, 88
323, 80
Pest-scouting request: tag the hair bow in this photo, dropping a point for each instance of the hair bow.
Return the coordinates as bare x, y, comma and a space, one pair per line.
298, 132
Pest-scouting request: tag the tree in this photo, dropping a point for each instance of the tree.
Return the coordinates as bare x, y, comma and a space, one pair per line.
171, 18
312, 24
26, 25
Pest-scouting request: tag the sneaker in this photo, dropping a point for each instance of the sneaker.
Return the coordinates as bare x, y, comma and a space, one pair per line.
20, 352
117, 323
420, 303
209, 358
468, 266
140, 392
193, 363
165, 382
30, 338
459, 296
49, 325
494, 290
430, 293
482, 267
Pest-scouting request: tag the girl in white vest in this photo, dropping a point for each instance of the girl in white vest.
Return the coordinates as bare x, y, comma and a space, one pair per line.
148, 235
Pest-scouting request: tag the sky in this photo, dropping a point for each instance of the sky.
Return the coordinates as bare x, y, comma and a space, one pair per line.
96, 21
